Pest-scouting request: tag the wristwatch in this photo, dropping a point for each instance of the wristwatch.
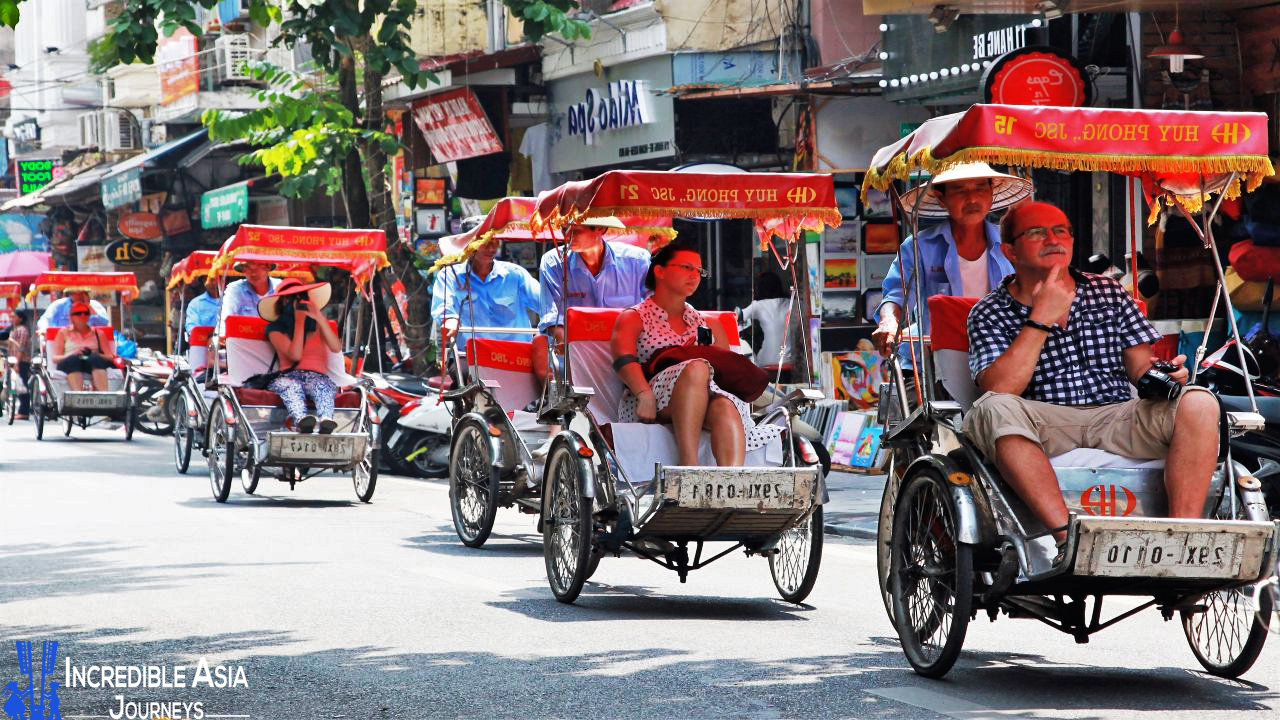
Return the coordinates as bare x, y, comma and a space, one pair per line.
1037, 325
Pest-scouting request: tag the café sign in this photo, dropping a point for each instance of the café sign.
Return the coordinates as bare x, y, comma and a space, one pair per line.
225, 206
122, 188
129, 252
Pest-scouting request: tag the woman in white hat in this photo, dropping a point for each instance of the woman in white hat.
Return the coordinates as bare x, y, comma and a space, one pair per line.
960, 257
302, 339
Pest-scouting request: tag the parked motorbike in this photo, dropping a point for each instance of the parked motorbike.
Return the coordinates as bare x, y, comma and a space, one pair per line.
152, 379
421, 446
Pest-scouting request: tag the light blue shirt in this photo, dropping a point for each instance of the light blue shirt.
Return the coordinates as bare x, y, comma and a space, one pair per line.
202, 311
240, 299
620, 283
58, 315
941, 265
503, 299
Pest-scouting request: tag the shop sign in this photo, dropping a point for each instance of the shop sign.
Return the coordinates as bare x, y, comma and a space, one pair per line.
272, 211
26, 135
225, 206
35, 174
455, 126
179, 66
1037, 76
925, 64
122, 188
128, 251
600, 124
734, 68
148, 226
625, 105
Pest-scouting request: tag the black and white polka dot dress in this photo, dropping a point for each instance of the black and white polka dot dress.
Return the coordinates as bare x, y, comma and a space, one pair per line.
657, 334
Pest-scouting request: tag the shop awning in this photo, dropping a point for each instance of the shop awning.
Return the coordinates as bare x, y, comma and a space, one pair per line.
151, 156
57, 190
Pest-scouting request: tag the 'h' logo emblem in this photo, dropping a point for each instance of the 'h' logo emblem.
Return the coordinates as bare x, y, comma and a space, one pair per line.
802, 195
1106, 500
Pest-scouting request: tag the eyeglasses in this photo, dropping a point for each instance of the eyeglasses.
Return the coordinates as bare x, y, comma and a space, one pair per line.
701, 271
1040, 233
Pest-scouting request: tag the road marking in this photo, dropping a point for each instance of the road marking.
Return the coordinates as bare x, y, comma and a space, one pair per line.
942, 703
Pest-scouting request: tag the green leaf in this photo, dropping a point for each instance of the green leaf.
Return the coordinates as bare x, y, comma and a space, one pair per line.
9, 13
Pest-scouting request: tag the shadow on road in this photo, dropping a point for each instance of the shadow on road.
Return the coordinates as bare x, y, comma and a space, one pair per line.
43, 570
446, 542
644, 682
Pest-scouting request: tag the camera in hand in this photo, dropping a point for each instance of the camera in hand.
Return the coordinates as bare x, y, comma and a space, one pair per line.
86, 351
1157, 382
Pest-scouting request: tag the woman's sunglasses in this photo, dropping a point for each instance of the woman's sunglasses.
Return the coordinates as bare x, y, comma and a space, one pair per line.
80, 314
701, 271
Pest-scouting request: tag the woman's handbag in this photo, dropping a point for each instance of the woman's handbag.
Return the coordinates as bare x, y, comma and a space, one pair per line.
733, 372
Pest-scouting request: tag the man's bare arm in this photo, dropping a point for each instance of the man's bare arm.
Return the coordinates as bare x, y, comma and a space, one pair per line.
1012, 371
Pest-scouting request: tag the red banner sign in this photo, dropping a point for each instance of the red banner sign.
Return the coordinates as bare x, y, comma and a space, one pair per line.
1037, 76
179, 66
455, 126
359, 252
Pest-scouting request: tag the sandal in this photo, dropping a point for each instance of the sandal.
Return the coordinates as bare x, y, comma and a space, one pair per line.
307, 424
328, 425
1061, 556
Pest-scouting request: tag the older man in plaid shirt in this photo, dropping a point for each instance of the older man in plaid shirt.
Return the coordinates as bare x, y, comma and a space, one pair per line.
1054, 351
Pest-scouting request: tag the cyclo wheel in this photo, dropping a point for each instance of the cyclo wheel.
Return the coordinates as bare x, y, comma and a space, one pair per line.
795, 564
249, 479
12, 402
567, 528
930, 575
67, 424
473, 484
38, 402
1228, 635
884, 531
364, 476
183, 435
222, 453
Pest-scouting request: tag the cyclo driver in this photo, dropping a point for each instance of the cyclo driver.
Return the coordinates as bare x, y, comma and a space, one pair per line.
1054, 350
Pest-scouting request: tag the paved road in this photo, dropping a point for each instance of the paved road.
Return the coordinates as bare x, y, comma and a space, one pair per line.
335, 609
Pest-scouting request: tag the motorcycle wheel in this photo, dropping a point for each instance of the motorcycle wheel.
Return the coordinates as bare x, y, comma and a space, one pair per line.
422, 451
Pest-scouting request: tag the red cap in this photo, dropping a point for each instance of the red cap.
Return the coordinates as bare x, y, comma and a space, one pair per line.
80, 308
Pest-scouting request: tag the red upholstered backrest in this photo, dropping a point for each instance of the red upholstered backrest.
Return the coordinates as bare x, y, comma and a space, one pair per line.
500, 354
200, 334
590, 324
249, 327
728, 319
106, 333
948, 322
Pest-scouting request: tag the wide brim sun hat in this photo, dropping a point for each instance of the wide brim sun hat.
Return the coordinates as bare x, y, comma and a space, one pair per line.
604, 221
1006, 189
318, 294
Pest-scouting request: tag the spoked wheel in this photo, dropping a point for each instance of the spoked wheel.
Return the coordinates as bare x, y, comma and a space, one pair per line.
222, 453
884, 531
154, 419
473, 484
1228, 635
67, 424
130, 422
183, 435
365, 475
38, 401
567, 529
426, 453
795, 564
249, 478
930, 576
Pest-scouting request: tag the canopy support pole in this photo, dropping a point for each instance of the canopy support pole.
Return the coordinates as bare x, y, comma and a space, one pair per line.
1206, 236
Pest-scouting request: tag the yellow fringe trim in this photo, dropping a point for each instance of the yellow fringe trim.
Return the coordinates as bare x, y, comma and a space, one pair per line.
829, 216
378, 257
130, 291
1252, 169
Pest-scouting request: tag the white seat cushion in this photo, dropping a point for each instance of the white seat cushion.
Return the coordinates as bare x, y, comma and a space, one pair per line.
638, 446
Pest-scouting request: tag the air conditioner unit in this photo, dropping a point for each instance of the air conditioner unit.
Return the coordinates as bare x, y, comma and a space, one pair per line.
232, 52
122, 131
91, 130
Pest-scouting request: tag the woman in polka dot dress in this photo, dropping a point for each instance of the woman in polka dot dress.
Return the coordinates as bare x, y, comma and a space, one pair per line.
685, 394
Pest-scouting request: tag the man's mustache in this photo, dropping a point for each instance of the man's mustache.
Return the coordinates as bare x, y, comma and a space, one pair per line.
1052, 250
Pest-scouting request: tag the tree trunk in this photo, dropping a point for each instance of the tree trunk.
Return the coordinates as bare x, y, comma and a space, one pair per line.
353, 182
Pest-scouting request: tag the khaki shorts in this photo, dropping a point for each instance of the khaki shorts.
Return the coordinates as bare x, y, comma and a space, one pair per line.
1138, 429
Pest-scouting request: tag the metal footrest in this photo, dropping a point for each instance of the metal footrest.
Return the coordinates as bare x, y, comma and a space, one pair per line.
338, 450
91, 402
1172, 548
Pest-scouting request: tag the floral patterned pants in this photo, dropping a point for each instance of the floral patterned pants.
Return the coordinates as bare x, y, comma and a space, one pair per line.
295, 386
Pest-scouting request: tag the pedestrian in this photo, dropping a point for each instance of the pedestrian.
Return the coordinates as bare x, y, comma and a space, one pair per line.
20, 350
770, 310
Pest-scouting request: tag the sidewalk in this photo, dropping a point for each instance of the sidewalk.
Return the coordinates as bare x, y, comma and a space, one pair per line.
854, 505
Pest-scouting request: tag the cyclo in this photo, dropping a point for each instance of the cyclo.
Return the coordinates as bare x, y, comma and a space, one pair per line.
507, 369
245, 432
52, 399
955, 539
607, 486
189, 353
10, 296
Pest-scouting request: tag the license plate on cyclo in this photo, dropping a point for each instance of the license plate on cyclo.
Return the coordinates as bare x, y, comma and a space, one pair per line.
91, 401
1144, 553
317, 448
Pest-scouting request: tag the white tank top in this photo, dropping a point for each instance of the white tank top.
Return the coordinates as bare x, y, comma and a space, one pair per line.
973, 274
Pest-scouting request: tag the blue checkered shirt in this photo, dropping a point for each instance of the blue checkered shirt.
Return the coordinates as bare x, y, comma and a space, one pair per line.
1081, 364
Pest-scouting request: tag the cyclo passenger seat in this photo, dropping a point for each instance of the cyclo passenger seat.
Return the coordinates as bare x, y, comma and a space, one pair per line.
588, 332
198, 347
249, 353
106, 334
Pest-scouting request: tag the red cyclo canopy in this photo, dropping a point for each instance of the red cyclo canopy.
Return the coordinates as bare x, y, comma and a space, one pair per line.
199, 264
100, 283
359, 252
